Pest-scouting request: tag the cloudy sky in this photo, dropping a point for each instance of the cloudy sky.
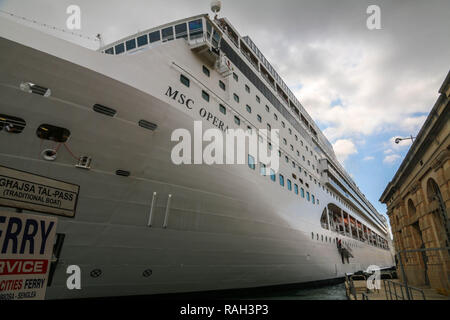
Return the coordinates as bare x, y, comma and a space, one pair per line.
363, 87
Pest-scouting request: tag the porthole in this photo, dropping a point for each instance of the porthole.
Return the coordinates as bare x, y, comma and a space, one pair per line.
11, 124
53, 133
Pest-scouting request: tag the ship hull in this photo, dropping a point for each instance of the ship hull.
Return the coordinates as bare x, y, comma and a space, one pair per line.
227, 227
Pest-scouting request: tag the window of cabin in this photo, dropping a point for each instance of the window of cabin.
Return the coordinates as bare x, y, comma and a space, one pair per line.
236, 97
206, 71
237, 120
281, 178
248, 108
251, 162
222, 109
295, 188
289, 185
247, 88
235, 77
307, 196
267, 108
222, 85
302, 192
258, 99
205, 95
184, 80
258, 117
275, 116
262, 167
269, 127
273, 177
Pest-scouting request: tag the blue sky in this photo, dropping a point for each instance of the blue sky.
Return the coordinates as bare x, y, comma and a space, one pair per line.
363, 87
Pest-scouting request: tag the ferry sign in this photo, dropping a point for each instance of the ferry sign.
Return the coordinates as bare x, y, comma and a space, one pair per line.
24, 190
26, 247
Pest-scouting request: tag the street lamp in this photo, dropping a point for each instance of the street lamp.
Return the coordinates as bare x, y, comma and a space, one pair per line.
397, 140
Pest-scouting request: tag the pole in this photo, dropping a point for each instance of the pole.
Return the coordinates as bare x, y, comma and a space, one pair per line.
404, 275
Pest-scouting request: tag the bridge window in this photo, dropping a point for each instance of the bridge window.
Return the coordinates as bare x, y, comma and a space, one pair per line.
154, 36
167, 34
181, 31
120, 48
195, 29
142, 40
109, 50
131, 44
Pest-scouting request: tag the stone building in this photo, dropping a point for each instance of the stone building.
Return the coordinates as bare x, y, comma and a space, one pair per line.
418, 200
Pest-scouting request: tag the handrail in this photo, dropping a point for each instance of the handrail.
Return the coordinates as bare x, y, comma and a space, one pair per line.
403, 289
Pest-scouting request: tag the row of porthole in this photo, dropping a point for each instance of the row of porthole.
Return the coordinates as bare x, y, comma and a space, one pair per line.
328, 239
96, 273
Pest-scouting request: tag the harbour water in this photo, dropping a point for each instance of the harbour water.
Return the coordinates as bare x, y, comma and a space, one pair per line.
328, 292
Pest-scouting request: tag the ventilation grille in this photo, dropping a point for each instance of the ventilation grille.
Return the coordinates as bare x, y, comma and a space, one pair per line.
34, 88
147, 125
104, 110
123, 173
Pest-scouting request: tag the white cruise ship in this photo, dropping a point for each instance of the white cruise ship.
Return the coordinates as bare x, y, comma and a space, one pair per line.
137, 224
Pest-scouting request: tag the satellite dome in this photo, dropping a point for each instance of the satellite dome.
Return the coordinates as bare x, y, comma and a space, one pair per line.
215, 6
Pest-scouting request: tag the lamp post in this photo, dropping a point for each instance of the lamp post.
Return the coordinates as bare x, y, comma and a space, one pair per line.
397, 140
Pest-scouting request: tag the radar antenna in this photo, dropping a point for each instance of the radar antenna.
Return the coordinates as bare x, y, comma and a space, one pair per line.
216, 5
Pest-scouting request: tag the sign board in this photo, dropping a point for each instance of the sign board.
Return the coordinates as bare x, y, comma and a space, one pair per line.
24, 190
26, 248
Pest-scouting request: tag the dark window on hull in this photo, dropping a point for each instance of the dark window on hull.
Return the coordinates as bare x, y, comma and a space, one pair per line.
53, 133
105, 110
11, 124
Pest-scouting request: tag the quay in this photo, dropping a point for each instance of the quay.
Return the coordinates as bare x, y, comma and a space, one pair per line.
390, 289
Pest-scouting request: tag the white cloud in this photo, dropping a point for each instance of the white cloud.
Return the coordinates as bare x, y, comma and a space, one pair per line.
368, 158
343, 148
392, 158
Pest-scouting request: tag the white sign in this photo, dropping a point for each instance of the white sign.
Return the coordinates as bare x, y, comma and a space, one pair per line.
19, 189
26, 247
